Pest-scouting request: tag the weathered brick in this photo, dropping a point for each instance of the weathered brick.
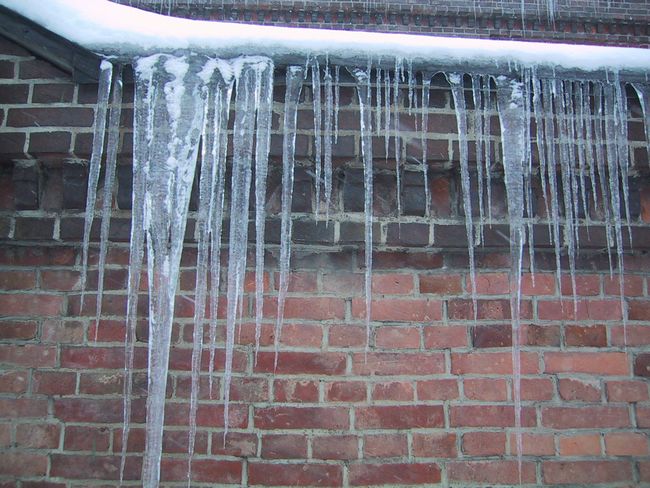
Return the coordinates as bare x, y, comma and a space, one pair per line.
345, 391
385, 446
599, 363
284, 446
626, 444
399, 417
580, 445
342, 447
394, 474
577, 390
586, 472
591, 417
585, 336
490, 472
301, 418
312, 474
484, 443
38, 436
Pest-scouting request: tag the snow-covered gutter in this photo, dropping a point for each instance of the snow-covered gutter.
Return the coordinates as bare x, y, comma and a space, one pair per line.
124, 32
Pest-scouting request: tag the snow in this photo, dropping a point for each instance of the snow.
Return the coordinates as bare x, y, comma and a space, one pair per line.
112, 29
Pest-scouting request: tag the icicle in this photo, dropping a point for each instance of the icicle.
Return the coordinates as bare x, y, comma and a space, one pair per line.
295, 76
169, 172
426, 89
337, 100
378, 102
528, 168
264, 103
622, 147
363, 91
477, 96
327, 163
580, 131
487, 128
109, 183
399, 76
103, 92
410, 79
643, 93
539, 140
145, 93
316, 96
512, 113
247, 76
457, 90
387, 111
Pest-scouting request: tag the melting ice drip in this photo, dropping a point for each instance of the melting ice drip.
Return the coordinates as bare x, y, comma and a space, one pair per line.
183, 103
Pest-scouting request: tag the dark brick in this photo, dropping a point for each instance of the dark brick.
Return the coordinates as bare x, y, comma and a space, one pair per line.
49, 142
5, 227
345, 147
50, 117
353, 191
12, 143
407, 234
75, 182
413, 194
53, 93
302, 146
11, 94
37, 68
26, 179
124, 186
83, 145
499, 335
52, 194
313, 232
350, 232
28, 228
7, 69
542, 335
642, 365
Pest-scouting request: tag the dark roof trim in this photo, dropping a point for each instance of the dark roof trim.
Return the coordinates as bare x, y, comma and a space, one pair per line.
68, 56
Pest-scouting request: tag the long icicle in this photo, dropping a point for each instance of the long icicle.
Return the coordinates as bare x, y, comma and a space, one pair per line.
99, 133
295, 76
318, 121
327, 153
109, 184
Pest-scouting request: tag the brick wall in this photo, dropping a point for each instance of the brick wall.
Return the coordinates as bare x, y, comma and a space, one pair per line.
595, 22
430, 403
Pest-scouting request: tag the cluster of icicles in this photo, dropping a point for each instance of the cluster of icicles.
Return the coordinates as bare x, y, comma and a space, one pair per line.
182, 104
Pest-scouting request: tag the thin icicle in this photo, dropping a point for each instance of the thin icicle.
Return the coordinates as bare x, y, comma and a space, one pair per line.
410, 79
622, 147
528, 168
399, 77
477, 96
426, 89
511, 101
295, 76
99, 132
487, 136
145, 93
458, 92
109, 184
178, 106
246, 75
378, 101
387, 111
643, 93
327, 154
363, 91
337, 100
264, 103
318, 117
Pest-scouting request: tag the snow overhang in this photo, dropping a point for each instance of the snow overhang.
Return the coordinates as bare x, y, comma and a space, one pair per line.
123, 33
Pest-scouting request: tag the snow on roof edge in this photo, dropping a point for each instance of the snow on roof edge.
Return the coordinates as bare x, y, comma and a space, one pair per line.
117, 30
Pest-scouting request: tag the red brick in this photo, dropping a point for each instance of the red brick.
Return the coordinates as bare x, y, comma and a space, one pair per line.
37, 256
284, 446
488, 416
445, 337
37, 305
15, 381
577, 390
301, 418
82, 438
97, 357
310, 474
492, 363
542, 284
638, 310
586, 285
391, 337
400, 417
626, 444
585, 472
295, 391
238, 444
203, 470
249, 390
585, 417
394, 474
392, 284
444, 389
351, 283
38, 436
398, 310
335, 447
626, 391
28, 355
385, 446
484, 443
541, 335
5, 435
91, 466
388, 364
533, 444
345, 391
599, 363
644, 467
54, 382
60, 280
393, 391
586, 336
320, 363
320, 308
101, 383
586, 310
441, 284
632, 285
642, 416
18, 330
65, 332
495, 335
642, 365
17, 280
486, 389
438, 445
499, 472
536, 389
347, 336
490, 284
93, 410
50, 117
580, 445
23, 465
298, 282
462, 309
207, 414
637, 335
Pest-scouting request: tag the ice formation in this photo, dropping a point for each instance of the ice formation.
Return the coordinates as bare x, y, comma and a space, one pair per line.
182, 109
